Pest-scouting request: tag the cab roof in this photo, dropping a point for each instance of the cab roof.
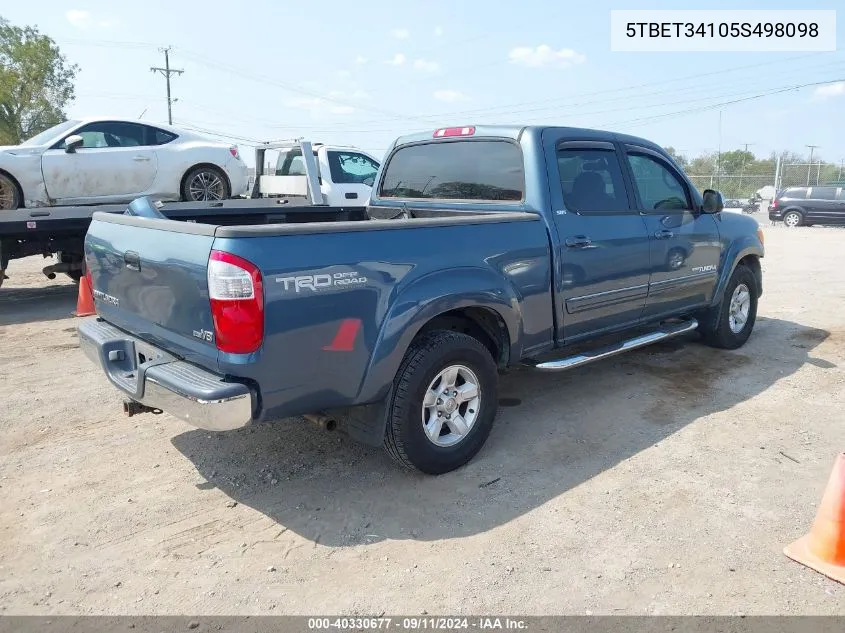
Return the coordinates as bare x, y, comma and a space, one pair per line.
517, 132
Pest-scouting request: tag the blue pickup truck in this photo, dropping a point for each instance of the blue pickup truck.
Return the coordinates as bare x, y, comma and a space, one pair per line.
482, 248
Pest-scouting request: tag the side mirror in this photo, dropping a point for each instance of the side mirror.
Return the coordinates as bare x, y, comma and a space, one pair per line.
713, 201
73, 142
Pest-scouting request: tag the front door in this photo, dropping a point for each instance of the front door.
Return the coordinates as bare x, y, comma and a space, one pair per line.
114, 163
352, 175
602, 258
685, 246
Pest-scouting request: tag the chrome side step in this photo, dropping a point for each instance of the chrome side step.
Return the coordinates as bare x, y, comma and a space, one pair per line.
663, 333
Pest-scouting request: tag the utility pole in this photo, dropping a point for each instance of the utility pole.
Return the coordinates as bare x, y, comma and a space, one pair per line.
810, 166
742, 168
166, 72
719, 155
841, 165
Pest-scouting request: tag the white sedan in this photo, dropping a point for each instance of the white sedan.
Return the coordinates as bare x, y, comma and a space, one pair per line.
103, 161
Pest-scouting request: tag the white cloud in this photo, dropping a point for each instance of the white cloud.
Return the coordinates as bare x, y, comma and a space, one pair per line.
80, 19
83, 20
335, 102
426, 66
544, 55
361, 60
449, 95
398, 60
344, 73
830, 90
438, 31
401, 34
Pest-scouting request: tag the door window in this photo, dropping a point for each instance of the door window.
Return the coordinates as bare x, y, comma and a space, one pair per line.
111, 134
659, 187
352, 168
822, 193
591, 180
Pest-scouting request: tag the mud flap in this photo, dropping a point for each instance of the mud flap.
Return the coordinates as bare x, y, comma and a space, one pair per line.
365, 423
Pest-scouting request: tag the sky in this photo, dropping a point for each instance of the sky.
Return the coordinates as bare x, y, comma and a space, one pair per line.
364, 73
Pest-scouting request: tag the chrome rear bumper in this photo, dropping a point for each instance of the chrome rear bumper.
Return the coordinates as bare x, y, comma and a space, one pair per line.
159, 380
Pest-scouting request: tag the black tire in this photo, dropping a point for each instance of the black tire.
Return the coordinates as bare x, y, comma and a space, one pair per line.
715, 326
799, 218
405, 438
10, 193
75, 275
224, 192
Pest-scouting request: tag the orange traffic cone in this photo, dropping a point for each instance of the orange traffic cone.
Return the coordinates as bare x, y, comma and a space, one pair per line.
85, 299
823, 549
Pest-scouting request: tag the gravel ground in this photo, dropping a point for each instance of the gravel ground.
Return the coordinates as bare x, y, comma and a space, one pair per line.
666, 481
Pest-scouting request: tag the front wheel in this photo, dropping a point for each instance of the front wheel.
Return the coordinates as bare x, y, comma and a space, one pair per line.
9, 195
204, 184
445, 399
729, 324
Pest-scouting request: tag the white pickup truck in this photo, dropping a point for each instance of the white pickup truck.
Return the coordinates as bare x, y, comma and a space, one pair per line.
345, 174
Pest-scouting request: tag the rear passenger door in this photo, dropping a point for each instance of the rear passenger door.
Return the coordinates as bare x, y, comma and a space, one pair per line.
602, 259
823, 207
685, 246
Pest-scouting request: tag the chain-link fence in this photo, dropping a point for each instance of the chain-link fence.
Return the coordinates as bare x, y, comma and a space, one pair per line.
742, 186
810, 174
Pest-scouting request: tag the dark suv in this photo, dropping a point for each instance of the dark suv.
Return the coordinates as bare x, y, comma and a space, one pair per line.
805, 206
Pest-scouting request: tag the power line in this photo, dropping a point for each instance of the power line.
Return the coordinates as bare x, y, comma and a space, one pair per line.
167, 71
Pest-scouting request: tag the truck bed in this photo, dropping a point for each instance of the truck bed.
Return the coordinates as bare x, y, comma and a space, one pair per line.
63, 221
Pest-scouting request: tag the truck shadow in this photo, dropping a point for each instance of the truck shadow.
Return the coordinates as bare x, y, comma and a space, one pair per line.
43, 303
554, 432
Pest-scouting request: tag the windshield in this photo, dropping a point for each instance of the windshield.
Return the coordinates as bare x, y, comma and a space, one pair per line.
51, 133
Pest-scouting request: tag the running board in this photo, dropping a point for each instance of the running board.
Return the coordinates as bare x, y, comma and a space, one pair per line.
665, 332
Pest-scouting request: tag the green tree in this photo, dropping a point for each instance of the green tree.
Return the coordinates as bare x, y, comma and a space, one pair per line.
678, 158
36, 83
733, 162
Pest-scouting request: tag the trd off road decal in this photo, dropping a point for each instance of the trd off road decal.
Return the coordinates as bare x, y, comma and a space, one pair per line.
318, 282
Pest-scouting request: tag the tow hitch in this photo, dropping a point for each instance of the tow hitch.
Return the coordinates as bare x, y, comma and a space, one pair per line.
131, 407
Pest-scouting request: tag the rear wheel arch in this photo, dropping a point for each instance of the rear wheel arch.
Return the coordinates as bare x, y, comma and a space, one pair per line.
481, 323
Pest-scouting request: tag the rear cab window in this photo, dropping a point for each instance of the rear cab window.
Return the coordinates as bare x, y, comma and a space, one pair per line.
290, 163
478, 169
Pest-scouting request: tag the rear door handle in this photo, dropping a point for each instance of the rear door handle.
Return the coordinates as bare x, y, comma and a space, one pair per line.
351, 196
578, 241
141, 159
663, 234
132, 260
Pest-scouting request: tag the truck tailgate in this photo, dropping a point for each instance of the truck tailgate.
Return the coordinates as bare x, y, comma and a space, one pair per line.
148, 277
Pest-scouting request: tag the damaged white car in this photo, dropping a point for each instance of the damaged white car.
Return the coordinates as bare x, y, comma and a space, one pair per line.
110, 161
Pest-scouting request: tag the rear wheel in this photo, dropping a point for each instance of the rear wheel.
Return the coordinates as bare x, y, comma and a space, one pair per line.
445, 400
203, 184
729, 324
9, 195
793, 219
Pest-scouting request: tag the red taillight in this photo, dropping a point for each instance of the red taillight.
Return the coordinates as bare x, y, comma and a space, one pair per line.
775, 203
234, 151
236, 293
454, 131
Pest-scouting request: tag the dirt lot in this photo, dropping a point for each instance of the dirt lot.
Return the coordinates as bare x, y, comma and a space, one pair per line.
665, 481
